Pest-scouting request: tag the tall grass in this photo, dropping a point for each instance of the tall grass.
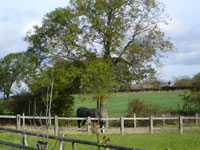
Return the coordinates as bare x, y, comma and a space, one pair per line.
117, 102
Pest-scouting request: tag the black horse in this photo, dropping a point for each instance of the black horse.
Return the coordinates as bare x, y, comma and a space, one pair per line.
89, 112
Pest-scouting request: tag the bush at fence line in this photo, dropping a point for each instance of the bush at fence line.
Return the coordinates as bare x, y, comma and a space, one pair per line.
7, 122
68, 123
41, 122
140, 123
61, 123
142, 110
114, 123
62, 105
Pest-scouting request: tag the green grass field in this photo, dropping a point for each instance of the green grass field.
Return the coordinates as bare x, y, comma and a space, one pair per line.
117, 103
168, 140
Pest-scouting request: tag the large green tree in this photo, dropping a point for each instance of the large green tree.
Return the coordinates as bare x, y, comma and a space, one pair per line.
122, 33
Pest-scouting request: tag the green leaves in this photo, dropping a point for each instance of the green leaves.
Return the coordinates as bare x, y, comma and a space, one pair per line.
97, 77
126, 30
11, 71
107, 44
58, 35
192, 98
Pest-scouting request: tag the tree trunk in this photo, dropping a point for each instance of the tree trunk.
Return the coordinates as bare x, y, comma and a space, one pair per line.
103, 107
99, 103
7, 95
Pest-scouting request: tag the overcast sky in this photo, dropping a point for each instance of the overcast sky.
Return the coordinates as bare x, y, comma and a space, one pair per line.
18, 16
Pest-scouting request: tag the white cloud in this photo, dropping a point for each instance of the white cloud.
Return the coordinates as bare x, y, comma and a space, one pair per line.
195, 46
6, 35
190, 58
185, 62
11, 41
186, 40
175, 28
29, 27
11, 38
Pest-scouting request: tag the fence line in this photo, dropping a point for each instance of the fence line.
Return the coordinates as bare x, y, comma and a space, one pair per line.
73, 141
21, 120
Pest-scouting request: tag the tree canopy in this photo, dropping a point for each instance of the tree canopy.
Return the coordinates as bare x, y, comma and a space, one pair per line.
112, 41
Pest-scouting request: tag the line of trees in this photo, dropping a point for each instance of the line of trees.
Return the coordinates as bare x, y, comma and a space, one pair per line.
90, 47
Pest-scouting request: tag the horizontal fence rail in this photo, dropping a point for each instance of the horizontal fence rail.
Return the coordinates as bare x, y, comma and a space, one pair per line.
60, 138
20, 122
17, 145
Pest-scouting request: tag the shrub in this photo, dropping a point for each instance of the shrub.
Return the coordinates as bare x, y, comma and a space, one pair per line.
141, 110
62, 104
4, 107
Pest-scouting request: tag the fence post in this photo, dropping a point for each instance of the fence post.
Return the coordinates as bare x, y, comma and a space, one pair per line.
196, 120
151, 124
106, 148
23, 121
107, 122
122, 125
18, 120
163, 115
24, 141
134, 118
181, 124
56, 125
88, 124
61, 144
73, 146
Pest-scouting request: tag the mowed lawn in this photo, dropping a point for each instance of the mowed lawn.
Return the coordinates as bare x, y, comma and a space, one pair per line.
161, 140
117, 103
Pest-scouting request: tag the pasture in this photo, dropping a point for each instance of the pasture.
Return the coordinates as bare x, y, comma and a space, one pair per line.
161, 140
117, 102
117, 105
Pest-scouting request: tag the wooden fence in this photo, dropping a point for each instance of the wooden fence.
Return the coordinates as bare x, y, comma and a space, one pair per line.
61, 139
20, 122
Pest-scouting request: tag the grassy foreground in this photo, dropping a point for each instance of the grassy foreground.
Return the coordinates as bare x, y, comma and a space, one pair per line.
170, 140
117, 103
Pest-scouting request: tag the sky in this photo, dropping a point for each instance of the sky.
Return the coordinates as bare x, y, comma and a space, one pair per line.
19, 16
